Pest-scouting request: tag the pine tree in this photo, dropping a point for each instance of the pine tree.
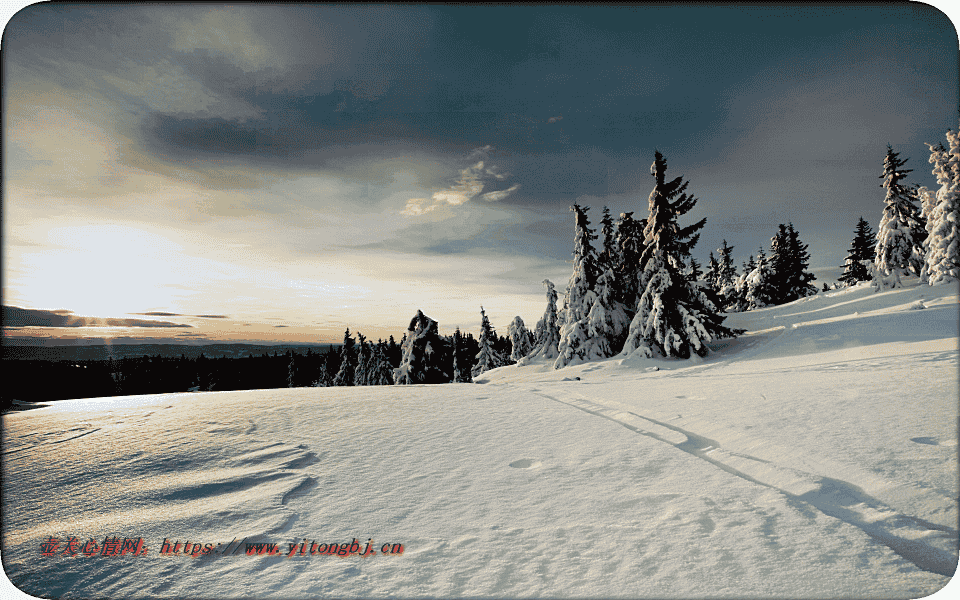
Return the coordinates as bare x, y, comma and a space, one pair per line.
673, 316
423, 354
901, 233
862, 252
348, 362
520, 338
942, 261
547, 333
488, 357
580, 295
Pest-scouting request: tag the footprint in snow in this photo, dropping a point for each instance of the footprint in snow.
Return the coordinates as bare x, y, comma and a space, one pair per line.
525, 463
931, 441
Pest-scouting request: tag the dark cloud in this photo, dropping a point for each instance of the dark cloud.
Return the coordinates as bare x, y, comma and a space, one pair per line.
158, 314
25, 317
212, 316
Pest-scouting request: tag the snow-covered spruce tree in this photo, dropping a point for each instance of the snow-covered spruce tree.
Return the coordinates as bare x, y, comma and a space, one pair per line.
901, 233
629, 244
788, 261
574, 344
694, 274
380, 371
488, 357
607, 322
422, 354
942, 264
862, 252
462, 364
348, 362
520, 338
361, 373
608, 252
759, 290
674, 317
547, 333
726, 281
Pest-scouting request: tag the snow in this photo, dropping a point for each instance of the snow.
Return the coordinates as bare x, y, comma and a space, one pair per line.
813, 457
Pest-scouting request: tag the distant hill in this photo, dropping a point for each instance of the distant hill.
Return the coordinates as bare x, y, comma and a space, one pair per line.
117, 351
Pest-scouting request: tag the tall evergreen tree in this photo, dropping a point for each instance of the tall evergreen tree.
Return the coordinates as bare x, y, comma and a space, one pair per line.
629, 244
673, 315
789, 260
901, 233
942, 261
348, 362
580, 296
423, 354
547, 333
862, 252
488, 357
726, 281
521, 339
361, 374
694, 274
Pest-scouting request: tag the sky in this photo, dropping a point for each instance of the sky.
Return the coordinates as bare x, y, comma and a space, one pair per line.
280, 173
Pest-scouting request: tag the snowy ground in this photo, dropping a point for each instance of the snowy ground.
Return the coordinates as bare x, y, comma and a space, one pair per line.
815, 457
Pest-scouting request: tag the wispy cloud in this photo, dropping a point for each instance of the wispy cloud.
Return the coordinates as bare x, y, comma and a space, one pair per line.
25, 317
468, 185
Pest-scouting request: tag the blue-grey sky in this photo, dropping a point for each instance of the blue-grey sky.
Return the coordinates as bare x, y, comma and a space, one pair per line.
318, 167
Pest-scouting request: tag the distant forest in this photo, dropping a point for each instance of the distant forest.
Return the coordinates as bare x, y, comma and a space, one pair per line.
62, 375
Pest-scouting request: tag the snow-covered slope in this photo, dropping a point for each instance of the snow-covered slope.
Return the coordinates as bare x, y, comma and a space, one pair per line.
815, 456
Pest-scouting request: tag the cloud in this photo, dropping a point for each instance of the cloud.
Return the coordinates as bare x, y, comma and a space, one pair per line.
25, 317
158, 314
212, 316
469, 185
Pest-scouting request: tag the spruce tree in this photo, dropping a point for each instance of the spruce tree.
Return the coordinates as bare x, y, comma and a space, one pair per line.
726, 274
423, 351
862, 252
488, 357
942, 261
348, 362
580, 295
694, 274
360, 374
789, 260
673, 316
629, 245
901, 233
547, 333
520, 338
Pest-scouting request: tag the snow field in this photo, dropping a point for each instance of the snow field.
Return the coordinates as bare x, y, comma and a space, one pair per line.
816, 461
